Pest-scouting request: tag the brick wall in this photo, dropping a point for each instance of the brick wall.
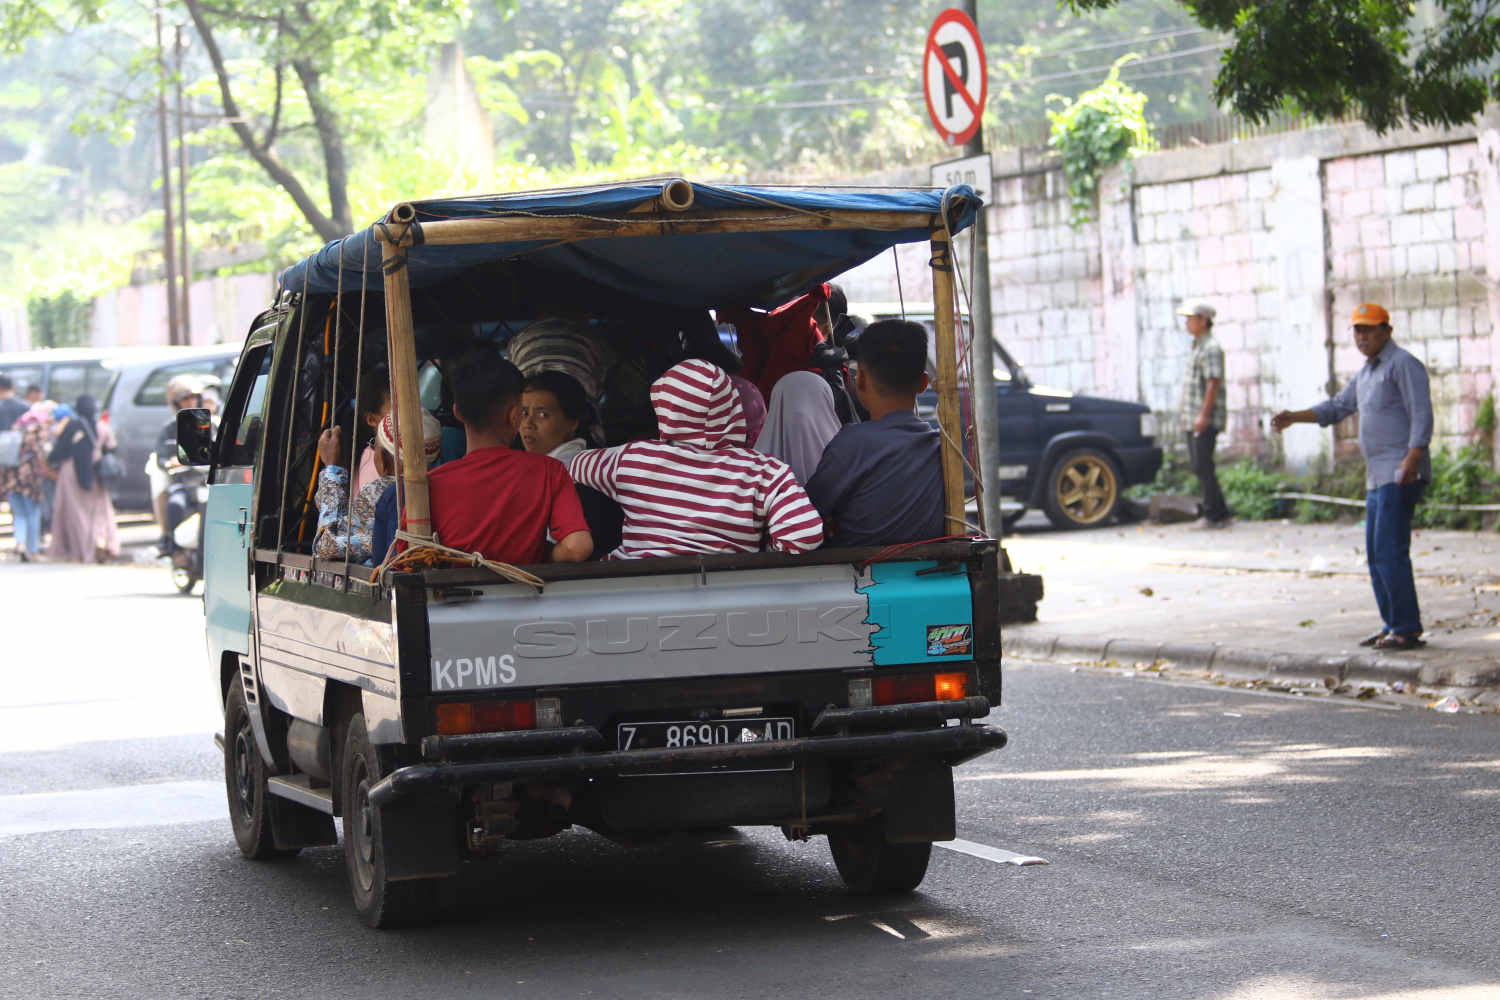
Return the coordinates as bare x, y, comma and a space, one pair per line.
1284, 235
1046, 276
1407, 229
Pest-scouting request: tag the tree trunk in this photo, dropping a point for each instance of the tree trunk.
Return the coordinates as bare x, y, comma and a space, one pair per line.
326, 227
335, 166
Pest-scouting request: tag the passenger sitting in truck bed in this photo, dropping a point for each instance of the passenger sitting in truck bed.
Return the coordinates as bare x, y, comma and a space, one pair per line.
880, 482
699, 489
350, 529
557, 420
497, 501
374, 403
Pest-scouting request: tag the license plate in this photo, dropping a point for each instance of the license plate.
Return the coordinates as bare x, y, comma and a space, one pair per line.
716, 732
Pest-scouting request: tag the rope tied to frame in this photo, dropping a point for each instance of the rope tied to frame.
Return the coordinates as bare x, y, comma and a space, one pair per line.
427, 553
412, 229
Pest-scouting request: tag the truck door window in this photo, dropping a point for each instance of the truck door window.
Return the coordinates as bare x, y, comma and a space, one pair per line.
245, 416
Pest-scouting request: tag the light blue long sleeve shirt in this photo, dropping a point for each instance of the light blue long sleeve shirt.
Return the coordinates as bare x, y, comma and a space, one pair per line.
1392, 396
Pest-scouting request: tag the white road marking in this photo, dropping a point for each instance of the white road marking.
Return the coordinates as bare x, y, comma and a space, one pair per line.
122, 806
987, 853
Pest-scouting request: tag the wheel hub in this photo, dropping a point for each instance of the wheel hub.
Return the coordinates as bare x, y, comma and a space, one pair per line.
244, 784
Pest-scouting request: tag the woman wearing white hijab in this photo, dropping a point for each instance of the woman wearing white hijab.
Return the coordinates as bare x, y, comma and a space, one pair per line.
800, 421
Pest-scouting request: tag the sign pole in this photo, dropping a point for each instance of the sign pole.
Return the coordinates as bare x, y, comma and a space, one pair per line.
987, 445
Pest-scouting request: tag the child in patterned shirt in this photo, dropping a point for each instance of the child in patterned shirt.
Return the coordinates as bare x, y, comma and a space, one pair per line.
338, 532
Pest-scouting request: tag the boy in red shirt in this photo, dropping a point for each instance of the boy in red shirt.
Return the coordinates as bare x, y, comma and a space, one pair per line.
497, 501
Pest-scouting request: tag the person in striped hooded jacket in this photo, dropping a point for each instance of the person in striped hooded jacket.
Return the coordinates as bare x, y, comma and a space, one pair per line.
698, 489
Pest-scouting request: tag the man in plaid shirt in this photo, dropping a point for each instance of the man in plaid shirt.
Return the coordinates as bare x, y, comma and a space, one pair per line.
1204, 413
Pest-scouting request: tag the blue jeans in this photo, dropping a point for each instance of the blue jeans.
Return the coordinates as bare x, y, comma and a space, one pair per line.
26, 513
1388, 514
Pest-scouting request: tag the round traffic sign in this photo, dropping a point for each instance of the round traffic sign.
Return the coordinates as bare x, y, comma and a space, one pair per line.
954, 77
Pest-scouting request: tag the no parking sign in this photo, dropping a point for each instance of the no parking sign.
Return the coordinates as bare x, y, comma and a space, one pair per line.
954, 77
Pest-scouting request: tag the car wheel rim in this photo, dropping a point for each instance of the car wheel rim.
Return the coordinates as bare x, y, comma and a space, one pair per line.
363, 832
244, 778
1086, 489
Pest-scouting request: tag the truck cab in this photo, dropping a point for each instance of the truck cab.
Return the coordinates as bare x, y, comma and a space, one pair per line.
443, 707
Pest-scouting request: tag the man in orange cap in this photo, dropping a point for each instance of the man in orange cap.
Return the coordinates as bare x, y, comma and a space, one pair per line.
1393, 400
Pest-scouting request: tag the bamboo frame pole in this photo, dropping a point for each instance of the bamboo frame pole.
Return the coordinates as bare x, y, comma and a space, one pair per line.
532, 228
402, 353
947, 384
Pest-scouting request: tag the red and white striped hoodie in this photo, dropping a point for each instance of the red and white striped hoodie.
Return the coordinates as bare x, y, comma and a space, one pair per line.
699, 489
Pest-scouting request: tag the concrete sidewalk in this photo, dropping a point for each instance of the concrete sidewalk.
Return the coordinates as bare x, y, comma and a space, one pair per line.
1260, 599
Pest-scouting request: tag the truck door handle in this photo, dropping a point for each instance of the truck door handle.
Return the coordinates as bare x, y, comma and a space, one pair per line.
244, 519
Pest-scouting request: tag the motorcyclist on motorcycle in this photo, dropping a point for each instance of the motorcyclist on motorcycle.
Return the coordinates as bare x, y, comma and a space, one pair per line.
173, 484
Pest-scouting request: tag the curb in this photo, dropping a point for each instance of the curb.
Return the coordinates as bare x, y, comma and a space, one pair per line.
1358, 668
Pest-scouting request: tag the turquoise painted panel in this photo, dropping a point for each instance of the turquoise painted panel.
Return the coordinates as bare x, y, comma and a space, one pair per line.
226, 568
919, 619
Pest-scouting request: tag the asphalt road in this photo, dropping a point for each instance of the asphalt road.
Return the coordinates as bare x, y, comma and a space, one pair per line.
1202, 842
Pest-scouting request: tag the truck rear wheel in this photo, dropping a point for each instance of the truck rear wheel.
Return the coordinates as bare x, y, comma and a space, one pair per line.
869, 866
245, 782
379, 901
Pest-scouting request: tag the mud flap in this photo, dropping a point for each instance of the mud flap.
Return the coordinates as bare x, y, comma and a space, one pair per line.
419, 835
294, 825
919, 804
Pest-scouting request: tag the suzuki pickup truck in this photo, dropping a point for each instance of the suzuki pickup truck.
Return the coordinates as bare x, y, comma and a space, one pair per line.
443, 710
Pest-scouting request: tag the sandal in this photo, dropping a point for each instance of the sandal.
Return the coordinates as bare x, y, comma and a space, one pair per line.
1398, 642
1372, 640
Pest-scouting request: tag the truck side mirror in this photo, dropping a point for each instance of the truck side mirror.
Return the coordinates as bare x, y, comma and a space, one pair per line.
195, 437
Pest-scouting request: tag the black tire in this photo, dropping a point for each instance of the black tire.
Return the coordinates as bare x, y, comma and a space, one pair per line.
1083, 489
184, 579
245, 782
870, 867
379, 901
1009, 521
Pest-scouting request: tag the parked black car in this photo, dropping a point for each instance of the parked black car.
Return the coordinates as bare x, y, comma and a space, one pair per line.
1071, 456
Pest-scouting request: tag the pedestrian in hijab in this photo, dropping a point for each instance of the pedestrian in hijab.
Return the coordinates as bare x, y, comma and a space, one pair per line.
83, 518
24, 484
800, 421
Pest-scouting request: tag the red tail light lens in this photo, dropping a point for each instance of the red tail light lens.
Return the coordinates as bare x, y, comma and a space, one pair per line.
458, 717
903, 690
921, 687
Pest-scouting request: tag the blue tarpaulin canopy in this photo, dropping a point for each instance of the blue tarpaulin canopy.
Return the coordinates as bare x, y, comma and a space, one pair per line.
673, 268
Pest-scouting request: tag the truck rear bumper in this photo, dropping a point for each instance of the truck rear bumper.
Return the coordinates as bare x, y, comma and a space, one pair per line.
952, 744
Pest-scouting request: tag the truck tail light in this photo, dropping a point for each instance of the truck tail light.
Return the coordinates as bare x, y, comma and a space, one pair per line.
950, 687
456, 718
921, 687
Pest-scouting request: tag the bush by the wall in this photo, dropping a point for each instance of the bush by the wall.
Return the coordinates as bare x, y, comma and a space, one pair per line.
1249, 489
1462, 478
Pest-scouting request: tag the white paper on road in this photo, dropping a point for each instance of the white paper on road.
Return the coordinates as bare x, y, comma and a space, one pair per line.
164, 804
987, 853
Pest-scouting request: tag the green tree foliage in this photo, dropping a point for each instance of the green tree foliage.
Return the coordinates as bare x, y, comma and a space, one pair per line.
59, 321
1379, 59
1098, 130
297, 85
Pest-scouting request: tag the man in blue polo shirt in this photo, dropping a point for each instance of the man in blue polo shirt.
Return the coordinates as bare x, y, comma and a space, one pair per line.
879, 482
1393, 400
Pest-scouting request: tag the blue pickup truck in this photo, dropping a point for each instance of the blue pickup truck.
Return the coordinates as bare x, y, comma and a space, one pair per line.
1071, 456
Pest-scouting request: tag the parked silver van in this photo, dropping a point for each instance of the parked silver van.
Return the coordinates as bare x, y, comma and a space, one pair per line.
62, 373
137, 403
130, 384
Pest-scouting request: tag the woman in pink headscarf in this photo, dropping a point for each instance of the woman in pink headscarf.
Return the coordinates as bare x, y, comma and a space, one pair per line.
25, 484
